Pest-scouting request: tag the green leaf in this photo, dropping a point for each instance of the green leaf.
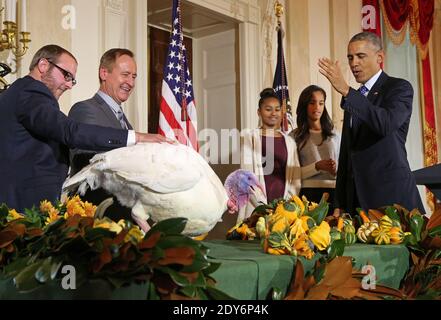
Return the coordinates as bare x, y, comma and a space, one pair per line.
392, 213
261, 209
416, 223
55, 267
319, 213
319, 270
25, 281
336, 249
189, 291
213, 267
151, 292
44, 272
13, 268
436, 231
4, 211
168, 226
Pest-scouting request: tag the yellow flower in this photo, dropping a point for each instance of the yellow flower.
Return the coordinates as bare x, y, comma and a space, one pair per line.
296, 230
289, 211
13, 215
281, 225
108, 224
278, 251
320, 236
300, 203
53, 215
303, 248
312, 206
46, 206
135, 235
89, 209
305, 220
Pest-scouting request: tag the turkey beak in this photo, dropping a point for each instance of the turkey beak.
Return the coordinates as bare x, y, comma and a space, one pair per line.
257, 195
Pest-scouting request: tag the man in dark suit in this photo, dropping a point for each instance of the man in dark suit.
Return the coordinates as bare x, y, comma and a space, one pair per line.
35, 134
373, 169
117, 75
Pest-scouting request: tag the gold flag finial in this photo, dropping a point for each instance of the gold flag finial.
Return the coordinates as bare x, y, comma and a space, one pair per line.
278, 7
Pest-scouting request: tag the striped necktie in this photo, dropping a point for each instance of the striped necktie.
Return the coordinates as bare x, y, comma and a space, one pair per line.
355, 120
363, 90
120, 116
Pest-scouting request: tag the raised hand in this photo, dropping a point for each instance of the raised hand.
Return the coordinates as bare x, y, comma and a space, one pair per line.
332, 71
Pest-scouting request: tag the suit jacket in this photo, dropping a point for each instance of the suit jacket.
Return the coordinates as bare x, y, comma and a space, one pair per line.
34, 140
373, 158
96, 111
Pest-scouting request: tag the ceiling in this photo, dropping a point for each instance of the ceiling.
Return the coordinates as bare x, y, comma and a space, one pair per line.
197, 21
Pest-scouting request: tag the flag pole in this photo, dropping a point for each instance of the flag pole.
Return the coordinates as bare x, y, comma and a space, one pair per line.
279, 11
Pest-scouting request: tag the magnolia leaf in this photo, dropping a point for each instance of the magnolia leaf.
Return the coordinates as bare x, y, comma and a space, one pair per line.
348, 290
18, 228
151, 292
169, 226
4, 211
6, 238
150, 240
337, 272
55, 267
189, 291
319, 213
25, 280
260, 209
295, 291
337, 248
436, 231
14, 267
435, 219
43, 273
177, 278
374, 214
213, 266
319, 292
392, 213
183, 256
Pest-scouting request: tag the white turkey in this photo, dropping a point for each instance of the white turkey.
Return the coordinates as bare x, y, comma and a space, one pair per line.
162, 181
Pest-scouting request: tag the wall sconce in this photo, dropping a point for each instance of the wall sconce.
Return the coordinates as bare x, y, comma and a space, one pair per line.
11, 38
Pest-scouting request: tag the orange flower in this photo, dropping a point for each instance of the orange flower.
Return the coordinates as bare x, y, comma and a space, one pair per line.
89, 209
53, 215
46, 206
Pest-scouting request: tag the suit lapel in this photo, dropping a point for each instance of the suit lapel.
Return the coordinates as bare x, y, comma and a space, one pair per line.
109, 113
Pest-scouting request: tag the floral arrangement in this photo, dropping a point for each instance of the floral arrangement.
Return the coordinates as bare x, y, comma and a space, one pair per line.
34, 245
294, 227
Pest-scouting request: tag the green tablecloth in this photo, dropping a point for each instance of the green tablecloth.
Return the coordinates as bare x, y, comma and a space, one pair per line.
248, 273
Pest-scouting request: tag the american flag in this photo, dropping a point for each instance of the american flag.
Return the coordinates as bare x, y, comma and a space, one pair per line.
280, 83
177, 118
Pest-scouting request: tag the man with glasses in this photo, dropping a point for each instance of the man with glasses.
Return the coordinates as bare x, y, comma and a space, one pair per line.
35, 135
117, 75
373, 170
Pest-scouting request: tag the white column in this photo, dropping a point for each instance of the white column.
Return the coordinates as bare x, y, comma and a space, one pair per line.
251, 73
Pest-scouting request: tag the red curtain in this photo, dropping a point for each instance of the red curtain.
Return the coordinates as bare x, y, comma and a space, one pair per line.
419, 14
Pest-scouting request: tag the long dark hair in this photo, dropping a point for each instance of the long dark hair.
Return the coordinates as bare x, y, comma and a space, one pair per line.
301, 134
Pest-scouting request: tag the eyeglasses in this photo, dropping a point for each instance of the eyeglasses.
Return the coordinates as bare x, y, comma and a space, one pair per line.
67, 75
